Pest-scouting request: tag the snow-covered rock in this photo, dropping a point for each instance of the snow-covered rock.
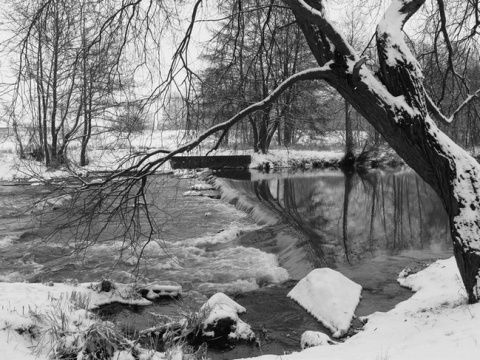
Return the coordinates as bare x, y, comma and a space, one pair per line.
160, 289
315, 338
330, 297
202, 187
192, 193
222, 300
220, 314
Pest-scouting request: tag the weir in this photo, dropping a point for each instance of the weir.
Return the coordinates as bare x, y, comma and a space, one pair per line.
211, 162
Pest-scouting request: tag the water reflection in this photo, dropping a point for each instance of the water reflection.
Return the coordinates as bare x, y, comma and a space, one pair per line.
348, 217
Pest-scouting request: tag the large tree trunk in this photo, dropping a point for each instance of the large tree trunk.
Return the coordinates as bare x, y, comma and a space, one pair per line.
393, 101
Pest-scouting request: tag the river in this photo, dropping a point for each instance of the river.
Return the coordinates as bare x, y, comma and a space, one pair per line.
367, 226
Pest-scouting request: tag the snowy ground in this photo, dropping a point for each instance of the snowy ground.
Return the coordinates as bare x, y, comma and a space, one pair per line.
34, 316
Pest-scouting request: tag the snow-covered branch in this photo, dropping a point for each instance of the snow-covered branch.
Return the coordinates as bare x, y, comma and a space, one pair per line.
399, 69
390, 33
437, 113
319, 18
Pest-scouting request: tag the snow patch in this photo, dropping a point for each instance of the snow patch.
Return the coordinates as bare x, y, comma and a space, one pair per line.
436, 323
192, 193
315, 338
26, 311
439, 285
7, 240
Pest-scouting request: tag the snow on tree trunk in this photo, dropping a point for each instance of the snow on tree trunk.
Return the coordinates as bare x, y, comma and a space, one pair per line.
393, 101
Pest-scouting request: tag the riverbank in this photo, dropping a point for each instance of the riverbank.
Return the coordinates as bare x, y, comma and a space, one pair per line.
14, 169
435, 323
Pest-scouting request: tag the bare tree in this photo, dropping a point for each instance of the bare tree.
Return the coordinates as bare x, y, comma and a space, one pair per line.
69, 75
253, 51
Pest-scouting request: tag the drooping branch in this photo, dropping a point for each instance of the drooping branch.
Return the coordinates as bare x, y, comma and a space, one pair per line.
309, 74
148, 164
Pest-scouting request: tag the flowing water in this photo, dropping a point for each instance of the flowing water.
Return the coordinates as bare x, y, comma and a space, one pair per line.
367, 226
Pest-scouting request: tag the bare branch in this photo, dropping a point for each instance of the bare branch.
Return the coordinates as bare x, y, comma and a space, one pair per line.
436, 112
309, 74
147, 165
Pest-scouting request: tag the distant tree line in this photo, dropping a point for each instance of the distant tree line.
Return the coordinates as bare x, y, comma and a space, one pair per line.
69, 88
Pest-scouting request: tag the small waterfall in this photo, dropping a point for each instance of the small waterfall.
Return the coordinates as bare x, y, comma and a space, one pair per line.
244, 199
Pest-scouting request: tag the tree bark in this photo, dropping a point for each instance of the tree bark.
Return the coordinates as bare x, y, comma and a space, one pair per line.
264, 137
252, 122
393, 101
346, 201
349, 158
55, 161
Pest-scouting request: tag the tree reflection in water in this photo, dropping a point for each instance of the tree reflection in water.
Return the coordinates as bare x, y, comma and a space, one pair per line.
349, 217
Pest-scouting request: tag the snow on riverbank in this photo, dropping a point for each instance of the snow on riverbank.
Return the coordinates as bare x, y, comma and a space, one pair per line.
435, 323
286, 158
12, 168
106, 151
33, 315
